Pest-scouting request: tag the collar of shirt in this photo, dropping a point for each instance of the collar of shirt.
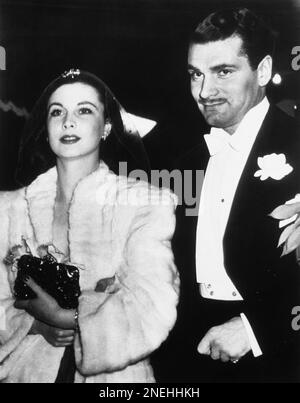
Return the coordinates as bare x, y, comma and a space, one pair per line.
244, 136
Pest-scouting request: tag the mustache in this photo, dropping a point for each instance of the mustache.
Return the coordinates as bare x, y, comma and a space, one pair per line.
211, 102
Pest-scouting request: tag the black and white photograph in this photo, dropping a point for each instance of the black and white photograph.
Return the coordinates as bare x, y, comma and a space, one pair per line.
149, 194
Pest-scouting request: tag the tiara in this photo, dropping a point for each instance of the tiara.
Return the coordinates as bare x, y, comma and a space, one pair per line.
71, 73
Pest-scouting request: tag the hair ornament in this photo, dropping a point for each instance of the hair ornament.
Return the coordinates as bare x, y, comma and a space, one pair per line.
71, 73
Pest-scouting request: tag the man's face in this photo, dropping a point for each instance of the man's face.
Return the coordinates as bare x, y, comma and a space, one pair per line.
222, 82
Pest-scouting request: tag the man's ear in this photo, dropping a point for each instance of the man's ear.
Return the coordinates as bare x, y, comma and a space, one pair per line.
264, 71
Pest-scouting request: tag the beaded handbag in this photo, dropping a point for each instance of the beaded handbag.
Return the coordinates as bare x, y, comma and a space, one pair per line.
59, 280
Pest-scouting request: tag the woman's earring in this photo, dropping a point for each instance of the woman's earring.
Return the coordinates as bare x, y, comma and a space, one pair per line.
107, 130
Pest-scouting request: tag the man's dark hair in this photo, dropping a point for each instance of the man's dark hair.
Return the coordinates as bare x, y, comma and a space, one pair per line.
258, 38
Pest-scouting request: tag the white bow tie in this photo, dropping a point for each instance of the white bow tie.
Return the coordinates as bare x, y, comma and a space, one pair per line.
216, 141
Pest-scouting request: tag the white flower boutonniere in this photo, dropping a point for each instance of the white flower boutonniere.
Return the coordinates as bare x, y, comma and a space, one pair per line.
289, 213
273, 166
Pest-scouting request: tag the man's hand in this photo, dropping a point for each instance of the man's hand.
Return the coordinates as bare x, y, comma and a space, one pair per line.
53, 335
226, 342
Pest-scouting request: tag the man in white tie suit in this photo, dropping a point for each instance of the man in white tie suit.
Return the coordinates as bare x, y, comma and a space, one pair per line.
238, 293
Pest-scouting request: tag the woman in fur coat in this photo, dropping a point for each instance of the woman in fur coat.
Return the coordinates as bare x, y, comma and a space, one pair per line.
115, 229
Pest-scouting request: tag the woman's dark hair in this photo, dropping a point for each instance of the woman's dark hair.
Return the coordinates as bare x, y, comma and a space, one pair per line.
35, 154
258, 38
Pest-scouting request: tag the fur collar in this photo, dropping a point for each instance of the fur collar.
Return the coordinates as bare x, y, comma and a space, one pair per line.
92, 243
41, 193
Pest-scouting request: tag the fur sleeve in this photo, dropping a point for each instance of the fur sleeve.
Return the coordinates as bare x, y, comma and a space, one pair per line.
123, 327
14, 323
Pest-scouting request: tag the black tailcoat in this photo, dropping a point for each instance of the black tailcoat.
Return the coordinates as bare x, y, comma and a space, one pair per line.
268, 283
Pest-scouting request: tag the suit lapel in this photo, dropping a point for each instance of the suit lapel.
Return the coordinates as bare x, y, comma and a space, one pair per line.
251, 190
249, 228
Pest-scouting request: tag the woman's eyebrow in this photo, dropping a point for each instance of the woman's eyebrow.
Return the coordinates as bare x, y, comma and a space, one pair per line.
87, 102
55, 103
79, 103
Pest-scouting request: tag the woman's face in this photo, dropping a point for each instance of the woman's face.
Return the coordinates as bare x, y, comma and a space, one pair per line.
75, 121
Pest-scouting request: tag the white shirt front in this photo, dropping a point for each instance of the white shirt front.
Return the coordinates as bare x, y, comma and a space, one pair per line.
223, 173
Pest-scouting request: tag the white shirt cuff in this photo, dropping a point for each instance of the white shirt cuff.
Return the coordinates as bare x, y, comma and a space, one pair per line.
252, 339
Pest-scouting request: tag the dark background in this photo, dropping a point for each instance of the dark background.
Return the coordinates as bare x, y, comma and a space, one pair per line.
138, 47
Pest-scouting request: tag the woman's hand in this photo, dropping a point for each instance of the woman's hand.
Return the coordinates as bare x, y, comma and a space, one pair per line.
53, 335
45, 308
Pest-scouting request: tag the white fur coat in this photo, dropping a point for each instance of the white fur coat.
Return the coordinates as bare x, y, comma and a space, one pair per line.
117, 228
